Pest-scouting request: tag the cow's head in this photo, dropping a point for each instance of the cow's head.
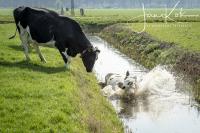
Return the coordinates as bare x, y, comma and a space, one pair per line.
89, 56
130, 83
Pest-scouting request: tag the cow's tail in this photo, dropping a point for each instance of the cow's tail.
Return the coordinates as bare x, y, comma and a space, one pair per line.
13, 35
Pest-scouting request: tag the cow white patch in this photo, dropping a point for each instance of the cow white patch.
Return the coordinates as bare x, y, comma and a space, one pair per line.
24, 38
114, 79
113, 93
67, 56
67, 65
23, 34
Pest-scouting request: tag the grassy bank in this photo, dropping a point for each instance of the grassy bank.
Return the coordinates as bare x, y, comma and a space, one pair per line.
185, 35
150, 51
37, 97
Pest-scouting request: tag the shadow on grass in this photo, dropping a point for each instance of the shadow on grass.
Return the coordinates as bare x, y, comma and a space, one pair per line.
20, 48
31, 66
16, 47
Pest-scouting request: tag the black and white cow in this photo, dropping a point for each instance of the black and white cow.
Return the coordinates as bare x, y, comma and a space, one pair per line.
39, 26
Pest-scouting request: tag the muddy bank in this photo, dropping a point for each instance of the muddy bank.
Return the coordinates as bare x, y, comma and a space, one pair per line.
150, 52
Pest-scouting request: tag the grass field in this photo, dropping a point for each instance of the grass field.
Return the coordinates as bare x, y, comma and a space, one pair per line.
6, 15
38, 97
110, 16
186, 35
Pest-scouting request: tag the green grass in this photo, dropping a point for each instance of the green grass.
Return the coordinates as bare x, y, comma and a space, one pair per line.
6, 11
37, 97
110, 16
6, 15
186, 35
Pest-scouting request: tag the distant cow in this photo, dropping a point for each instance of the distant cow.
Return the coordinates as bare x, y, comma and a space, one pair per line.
39, 26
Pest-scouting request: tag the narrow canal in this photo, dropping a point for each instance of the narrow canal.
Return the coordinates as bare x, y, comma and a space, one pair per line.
168, 108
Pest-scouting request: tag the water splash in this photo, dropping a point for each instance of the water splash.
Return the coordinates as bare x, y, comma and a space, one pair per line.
158, 80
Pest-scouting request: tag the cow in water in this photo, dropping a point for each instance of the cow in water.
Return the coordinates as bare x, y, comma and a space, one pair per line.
40, 27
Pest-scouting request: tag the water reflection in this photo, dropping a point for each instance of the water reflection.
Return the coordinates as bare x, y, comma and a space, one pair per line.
169, 108
129, 109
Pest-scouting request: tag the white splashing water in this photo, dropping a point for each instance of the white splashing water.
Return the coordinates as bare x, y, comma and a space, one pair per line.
158, 80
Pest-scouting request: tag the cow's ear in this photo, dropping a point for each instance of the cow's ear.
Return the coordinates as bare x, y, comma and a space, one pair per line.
97, 50
127, 73
130, 83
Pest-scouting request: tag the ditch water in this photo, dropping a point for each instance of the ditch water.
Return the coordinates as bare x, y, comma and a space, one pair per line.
168, 108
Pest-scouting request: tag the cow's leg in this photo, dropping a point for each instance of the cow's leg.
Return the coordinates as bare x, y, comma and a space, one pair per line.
25, 46
24, 39
39, 53
65, 57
